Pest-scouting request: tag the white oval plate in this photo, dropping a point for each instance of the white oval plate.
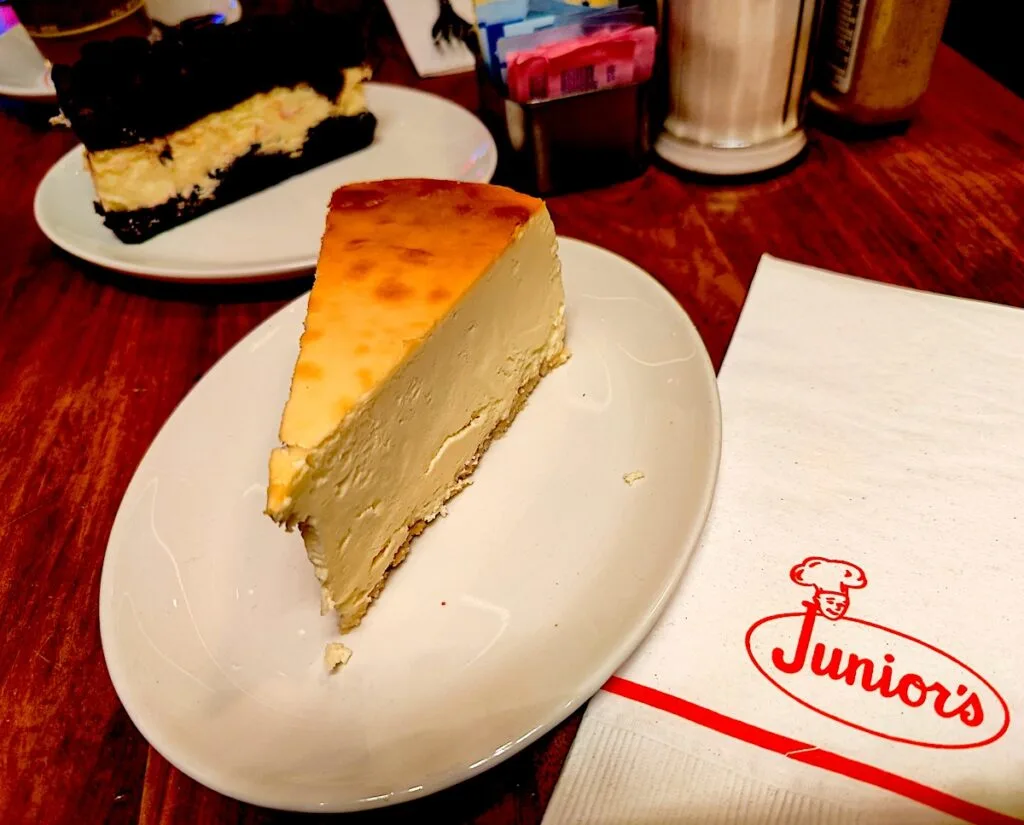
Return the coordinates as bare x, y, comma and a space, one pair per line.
275, 232
508, 614
23, 72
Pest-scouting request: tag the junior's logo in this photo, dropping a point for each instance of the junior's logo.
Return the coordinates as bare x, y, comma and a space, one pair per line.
868, 676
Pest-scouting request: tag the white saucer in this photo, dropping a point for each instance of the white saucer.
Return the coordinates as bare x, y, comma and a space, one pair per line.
738, 160
23, 72
509, 613
276, 232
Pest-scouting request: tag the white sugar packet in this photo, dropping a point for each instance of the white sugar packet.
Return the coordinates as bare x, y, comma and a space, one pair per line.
870, 504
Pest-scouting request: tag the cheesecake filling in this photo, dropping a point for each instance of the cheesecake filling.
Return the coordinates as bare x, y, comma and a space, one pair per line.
410, 445
188, 163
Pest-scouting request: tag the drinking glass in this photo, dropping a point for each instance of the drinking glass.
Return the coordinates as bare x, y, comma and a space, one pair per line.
59, 28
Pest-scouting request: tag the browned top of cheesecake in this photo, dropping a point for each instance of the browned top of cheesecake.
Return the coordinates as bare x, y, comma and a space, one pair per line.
396, 258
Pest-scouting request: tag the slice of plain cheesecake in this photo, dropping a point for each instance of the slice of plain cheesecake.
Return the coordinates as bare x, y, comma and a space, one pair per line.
436, 309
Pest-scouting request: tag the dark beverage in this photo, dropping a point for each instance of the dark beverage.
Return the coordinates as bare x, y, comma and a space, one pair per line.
60, 28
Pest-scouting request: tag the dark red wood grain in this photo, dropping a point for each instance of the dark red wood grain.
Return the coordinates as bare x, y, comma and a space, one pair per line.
91, 364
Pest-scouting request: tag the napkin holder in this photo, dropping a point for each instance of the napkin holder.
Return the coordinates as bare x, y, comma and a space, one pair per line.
570, 143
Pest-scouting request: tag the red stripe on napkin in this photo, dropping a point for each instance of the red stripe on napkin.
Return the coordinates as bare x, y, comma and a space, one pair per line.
808, 754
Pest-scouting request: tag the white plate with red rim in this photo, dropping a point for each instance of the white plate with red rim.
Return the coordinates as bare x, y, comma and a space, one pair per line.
507, 615
23, 71
274, 233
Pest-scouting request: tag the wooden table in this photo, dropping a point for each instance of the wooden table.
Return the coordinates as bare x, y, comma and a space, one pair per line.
91, 364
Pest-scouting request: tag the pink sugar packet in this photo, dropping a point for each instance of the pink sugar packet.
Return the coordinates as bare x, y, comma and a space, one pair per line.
599, 60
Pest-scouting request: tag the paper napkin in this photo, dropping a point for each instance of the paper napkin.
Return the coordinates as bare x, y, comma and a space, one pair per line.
845, 646
414, 20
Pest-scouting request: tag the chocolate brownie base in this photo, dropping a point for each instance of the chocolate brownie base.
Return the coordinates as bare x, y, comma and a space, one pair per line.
251, 173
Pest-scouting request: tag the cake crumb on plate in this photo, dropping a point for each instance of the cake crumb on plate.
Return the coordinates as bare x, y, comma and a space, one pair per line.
336, 655
633, 477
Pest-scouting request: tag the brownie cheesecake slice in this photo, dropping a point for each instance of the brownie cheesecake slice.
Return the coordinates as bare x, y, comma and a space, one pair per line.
203, 117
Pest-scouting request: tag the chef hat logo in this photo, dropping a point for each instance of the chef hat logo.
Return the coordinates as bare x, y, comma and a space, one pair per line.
832, 581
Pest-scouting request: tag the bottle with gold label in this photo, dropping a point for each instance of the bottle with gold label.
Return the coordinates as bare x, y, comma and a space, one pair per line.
875, 57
